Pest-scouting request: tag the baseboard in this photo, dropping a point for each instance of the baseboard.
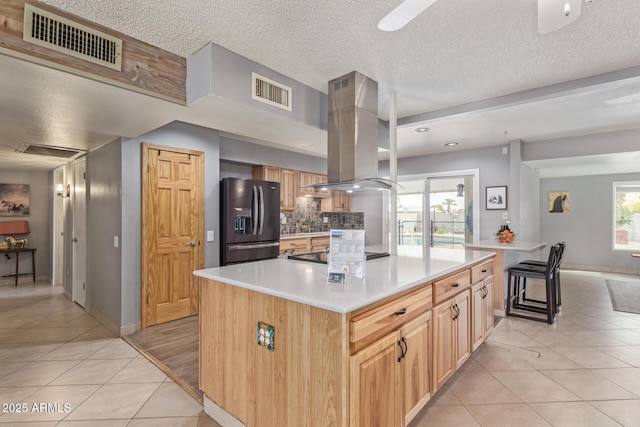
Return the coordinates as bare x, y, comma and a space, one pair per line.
27, 278
219, 415
109, 324
601, 269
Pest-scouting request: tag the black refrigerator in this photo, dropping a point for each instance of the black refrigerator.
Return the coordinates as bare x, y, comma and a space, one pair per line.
250, 212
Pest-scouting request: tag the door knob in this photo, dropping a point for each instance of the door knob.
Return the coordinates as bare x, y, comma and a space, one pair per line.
74, 240
193, 243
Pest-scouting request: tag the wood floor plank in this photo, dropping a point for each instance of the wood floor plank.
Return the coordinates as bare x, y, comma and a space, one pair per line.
173, 348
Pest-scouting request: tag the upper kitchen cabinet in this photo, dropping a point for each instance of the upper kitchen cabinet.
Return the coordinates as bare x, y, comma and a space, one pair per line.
340, 201
288, 183
309, 178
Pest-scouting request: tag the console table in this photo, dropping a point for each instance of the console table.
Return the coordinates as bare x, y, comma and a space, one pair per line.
18, 251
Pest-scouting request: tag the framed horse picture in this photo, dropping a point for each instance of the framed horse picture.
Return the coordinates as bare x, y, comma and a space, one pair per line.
14, 200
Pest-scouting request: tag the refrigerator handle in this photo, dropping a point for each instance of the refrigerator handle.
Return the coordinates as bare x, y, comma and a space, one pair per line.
254, 216
261, 209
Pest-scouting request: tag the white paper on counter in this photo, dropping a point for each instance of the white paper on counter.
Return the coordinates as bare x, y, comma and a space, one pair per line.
346, 253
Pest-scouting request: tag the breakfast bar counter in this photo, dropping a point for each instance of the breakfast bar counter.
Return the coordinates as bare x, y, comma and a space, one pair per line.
280, 345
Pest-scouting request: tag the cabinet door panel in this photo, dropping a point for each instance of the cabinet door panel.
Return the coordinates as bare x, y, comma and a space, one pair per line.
443, 345
489, 322
477, 315
416, 365
463, 329
288, 189
375, 385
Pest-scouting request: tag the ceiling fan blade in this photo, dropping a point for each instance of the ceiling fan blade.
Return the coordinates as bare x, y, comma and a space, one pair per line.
552, 14
404, 13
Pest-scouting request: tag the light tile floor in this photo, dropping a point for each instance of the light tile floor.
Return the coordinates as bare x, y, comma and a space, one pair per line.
582, 371
61, 367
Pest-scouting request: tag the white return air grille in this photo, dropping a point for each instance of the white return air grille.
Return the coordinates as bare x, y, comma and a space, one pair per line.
270, 92
48, 150
63, 35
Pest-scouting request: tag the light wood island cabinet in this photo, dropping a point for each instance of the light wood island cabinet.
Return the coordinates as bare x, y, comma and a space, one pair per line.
377, 365
481, 303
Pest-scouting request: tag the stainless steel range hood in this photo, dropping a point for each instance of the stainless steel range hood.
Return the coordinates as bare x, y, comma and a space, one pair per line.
352, 156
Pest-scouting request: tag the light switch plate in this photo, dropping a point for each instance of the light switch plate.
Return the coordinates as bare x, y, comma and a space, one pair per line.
505, 215
210, 236
116, 241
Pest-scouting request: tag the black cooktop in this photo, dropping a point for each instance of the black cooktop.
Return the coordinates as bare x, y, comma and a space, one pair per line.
321, 257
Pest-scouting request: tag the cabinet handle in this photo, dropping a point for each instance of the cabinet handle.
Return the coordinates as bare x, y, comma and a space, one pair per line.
456, 310
400, 312
455, 285
484, 270
403, 350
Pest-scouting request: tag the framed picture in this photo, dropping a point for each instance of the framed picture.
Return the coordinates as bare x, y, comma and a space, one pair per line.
559, 201
14, 200
496, 197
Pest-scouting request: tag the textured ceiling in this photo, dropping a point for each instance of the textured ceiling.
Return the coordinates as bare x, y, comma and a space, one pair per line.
455, 68
456, 52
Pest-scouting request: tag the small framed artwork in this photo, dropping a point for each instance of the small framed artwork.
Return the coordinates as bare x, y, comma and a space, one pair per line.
14, 199
559, 201
496, 197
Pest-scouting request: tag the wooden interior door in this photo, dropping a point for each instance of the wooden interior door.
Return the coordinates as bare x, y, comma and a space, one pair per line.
172, 223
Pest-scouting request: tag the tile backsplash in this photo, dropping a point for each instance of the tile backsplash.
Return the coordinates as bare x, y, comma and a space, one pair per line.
308, 218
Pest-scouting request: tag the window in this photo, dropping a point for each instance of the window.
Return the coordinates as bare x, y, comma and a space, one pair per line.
626, 218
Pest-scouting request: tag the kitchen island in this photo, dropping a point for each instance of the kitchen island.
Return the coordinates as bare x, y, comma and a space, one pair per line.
281, 346
507, 255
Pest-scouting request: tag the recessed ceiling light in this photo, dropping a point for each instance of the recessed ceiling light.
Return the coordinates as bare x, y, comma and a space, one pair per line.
422, 130
451, 144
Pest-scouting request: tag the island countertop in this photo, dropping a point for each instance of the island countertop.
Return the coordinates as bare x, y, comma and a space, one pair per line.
306, 282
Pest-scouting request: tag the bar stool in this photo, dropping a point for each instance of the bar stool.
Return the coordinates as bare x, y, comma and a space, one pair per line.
543, 264
517, 283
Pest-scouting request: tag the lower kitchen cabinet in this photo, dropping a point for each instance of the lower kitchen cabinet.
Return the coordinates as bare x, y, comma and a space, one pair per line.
451, 337
376, 386
481, 311
390, 379
294, 246
416, 365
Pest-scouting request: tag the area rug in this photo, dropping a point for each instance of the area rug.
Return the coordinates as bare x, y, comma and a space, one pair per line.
625, 296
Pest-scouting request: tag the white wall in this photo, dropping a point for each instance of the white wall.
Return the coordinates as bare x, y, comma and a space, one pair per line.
179, 135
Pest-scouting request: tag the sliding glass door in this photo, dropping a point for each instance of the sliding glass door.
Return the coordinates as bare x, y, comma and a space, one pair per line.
437, 210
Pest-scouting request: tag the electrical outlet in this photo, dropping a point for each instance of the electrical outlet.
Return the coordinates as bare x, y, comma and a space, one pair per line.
325, 219
505, 215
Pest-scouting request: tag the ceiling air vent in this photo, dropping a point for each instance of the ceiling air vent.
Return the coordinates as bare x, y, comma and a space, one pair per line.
270, 92
63, 35
48, 150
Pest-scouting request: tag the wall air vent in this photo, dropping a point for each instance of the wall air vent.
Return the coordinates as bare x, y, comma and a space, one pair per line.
48, 150
270, 92
63, 35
